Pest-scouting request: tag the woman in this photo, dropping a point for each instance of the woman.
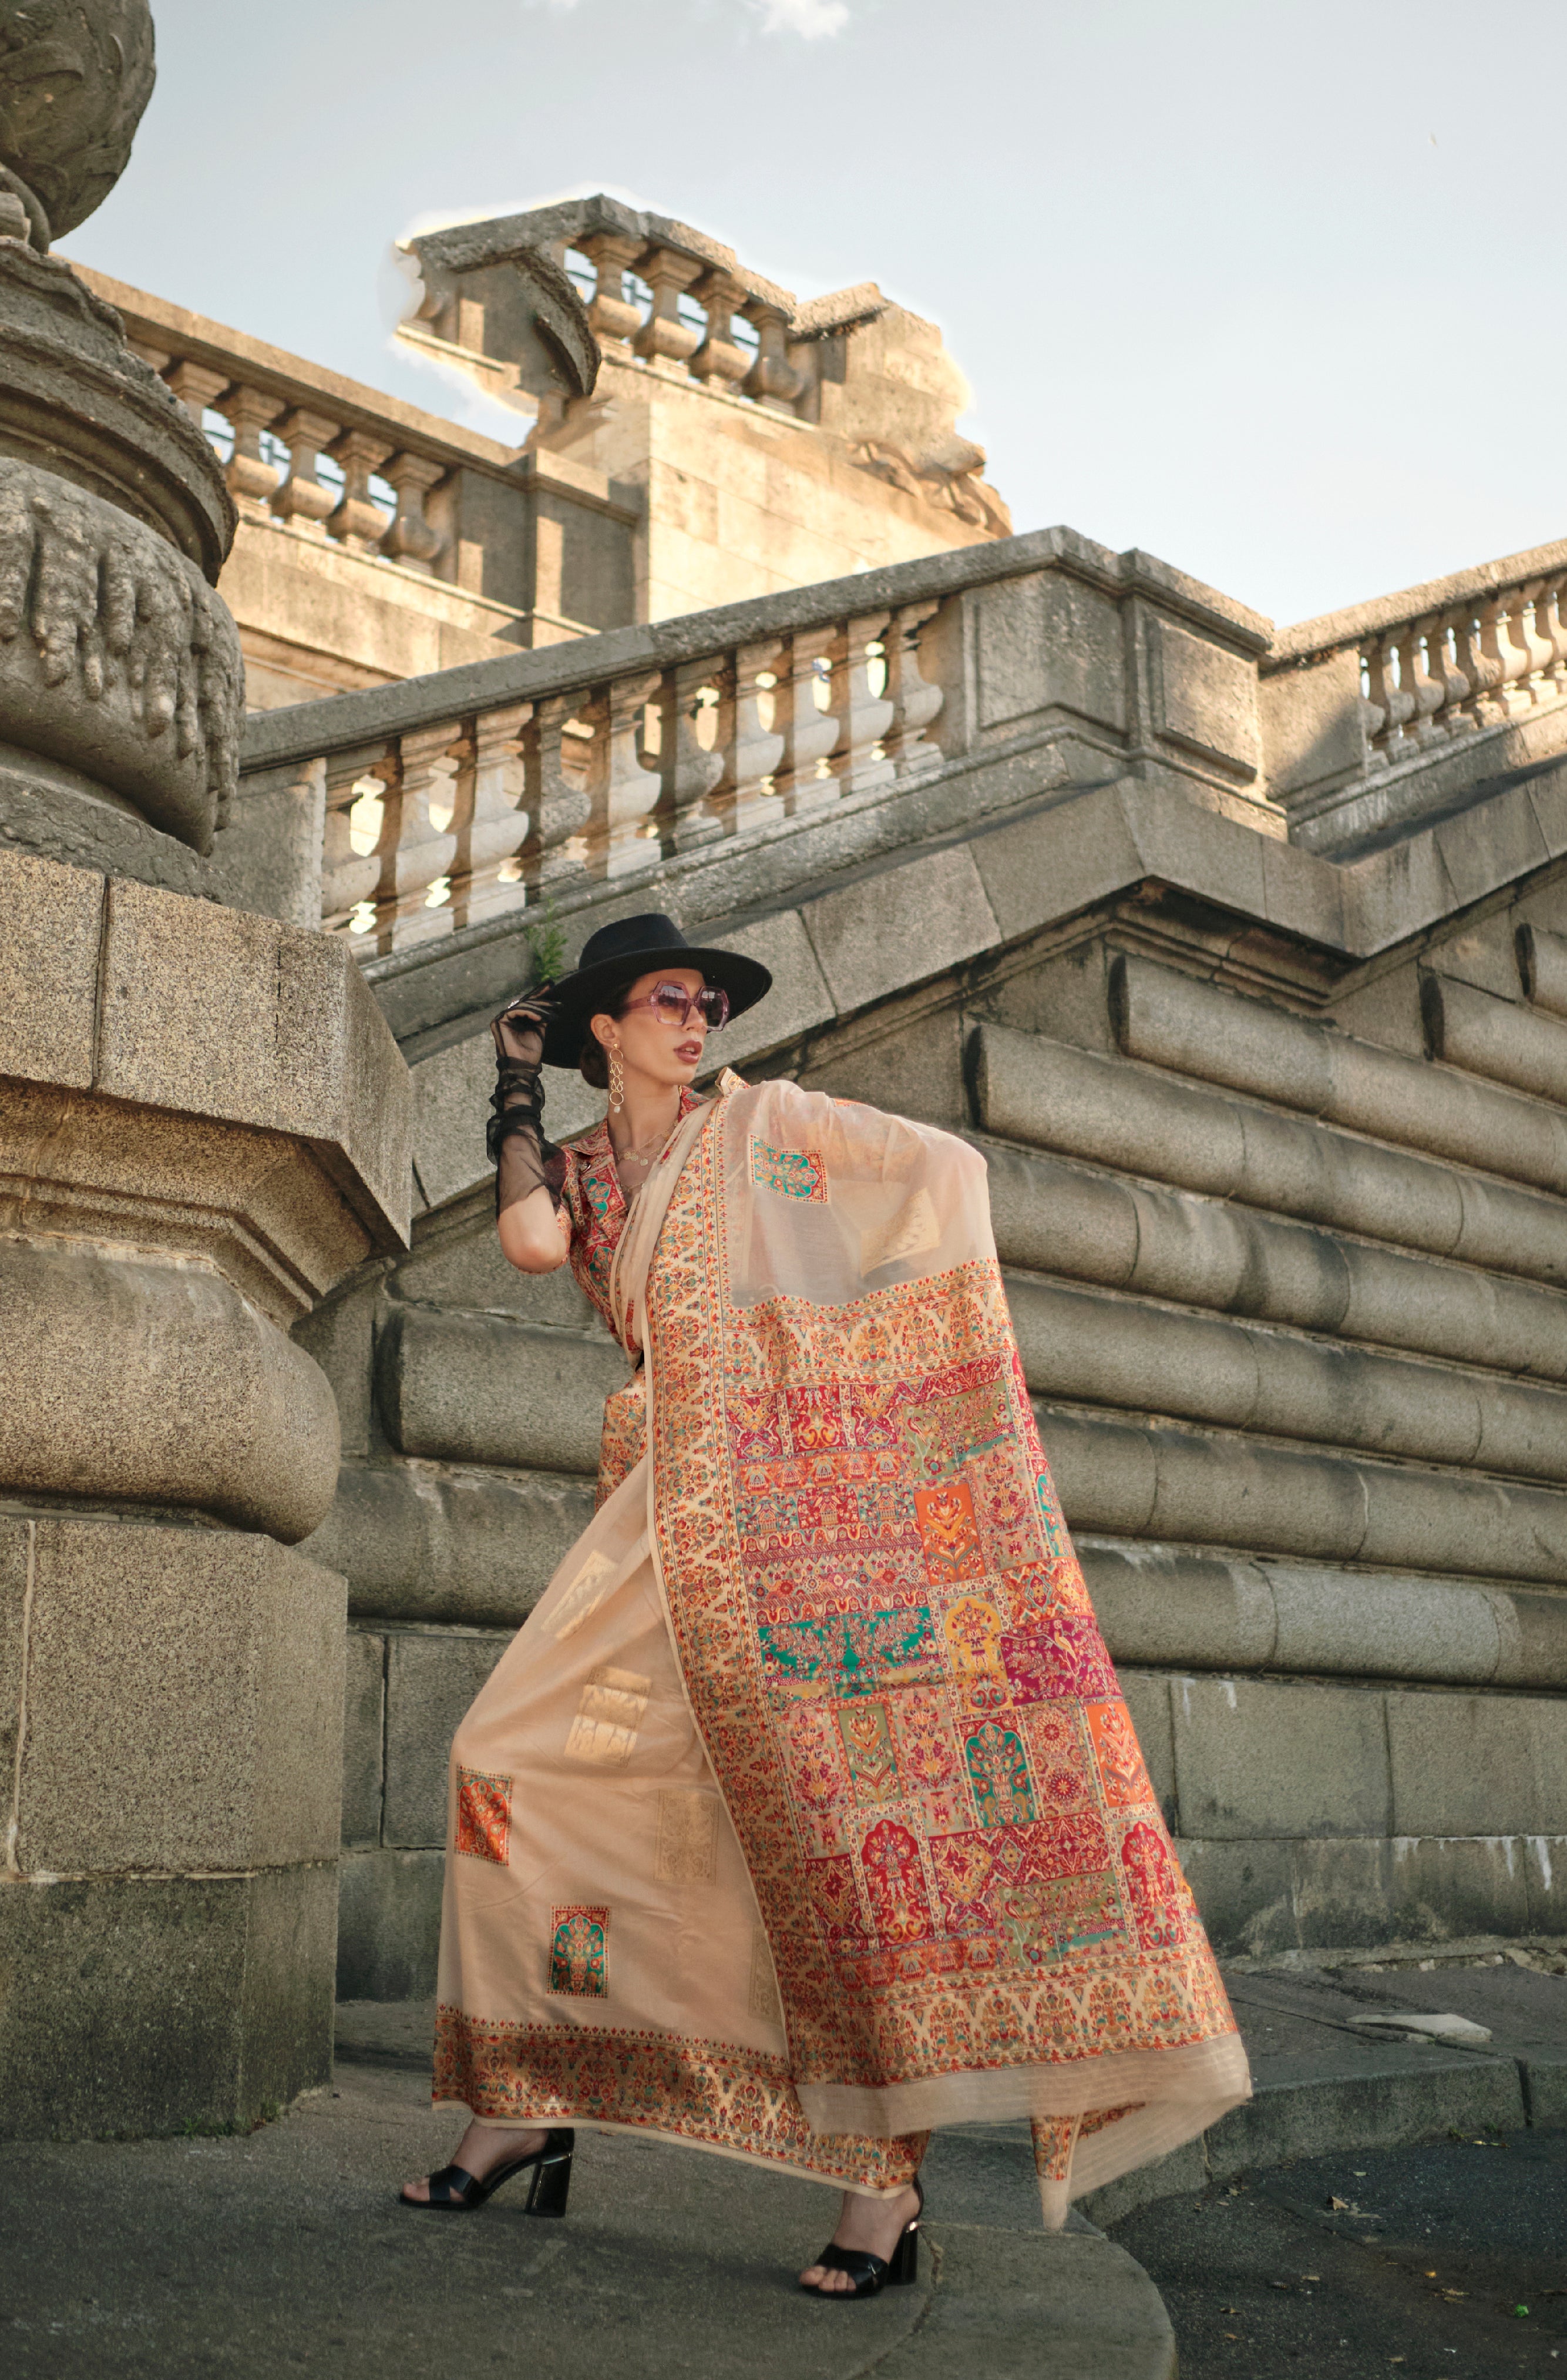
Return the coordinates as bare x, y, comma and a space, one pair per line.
805, 1812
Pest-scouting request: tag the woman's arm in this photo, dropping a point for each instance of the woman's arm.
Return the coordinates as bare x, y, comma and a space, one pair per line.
535, 1235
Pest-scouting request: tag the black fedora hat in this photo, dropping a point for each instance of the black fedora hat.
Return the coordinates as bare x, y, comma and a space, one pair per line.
616, 955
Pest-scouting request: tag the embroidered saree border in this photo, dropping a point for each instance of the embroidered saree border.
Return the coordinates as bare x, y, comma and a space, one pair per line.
919, 1998
708, 2094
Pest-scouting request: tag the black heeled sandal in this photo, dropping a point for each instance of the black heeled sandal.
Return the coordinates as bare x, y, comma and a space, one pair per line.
870, 2274
461, 2192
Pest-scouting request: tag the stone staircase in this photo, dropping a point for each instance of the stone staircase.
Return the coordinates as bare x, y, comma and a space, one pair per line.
1271, 1070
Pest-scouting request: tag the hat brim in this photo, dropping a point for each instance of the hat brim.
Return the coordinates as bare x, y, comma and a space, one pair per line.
580, 996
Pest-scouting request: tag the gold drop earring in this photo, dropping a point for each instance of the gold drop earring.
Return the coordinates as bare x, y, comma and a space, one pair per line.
617, 1083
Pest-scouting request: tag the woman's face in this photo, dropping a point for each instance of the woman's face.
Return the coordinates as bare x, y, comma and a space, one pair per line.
663, 1055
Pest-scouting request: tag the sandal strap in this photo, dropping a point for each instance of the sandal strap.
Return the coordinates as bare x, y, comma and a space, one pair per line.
858, 2263
455, 2185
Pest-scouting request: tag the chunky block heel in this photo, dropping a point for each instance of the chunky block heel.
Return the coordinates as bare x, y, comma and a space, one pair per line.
870, 2274
454, 2190
552, 2183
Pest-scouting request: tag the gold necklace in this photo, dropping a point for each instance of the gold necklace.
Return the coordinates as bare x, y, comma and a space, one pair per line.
635, 1155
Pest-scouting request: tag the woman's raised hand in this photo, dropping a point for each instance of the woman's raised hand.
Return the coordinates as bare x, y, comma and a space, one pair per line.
518, 1032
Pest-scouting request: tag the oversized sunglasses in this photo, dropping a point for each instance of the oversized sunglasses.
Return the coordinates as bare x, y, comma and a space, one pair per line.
672, 1005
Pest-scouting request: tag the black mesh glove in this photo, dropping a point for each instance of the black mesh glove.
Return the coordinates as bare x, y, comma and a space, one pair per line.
523, 1159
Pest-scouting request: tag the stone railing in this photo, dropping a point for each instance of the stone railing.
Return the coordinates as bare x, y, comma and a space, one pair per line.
550, 778
655, 290
459, 818
307, 450
1354, 695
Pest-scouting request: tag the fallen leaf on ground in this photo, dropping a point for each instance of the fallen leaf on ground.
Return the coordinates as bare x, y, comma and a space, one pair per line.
1338, 2206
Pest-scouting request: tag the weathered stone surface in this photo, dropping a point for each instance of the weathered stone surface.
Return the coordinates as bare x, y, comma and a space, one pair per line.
364, 1731
115, 658
301, 1046
212, 1407
483, 1388
431, 1680
389, 1924
79, 407
154, 2004
427, 1544
184, 1702
77, 82
1255, 1759
49, 971
1478, 1764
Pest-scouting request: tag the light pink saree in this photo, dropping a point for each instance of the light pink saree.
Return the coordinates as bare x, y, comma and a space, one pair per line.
805, 1812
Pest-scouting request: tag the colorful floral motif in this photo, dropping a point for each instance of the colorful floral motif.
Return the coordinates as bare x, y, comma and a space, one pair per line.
579, 1967
597, 1205
790, 1172
484, 1816
739, 2100
895, 1666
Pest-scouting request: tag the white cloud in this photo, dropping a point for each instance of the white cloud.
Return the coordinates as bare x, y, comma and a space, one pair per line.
810, 19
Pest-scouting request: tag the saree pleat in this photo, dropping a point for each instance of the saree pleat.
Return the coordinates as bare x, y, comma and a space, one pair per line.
804, 1814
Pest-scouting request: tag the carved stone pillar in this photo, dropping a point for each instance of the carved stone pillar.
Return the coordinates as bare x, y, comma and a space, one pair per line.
718, 361
204, 1125
358, 521
412, 539
668, 274
251, 479
772, 379
302, 499
614, 319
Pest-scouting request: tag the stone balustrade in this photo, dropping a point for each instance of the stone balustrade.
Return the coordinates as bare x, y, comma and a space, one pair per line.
359, 472
455, 821
1358, 695
825, 717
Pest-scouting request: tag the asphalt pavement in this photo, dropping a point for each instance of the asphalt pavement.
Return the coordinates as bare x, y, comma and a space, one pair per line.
1444, 2261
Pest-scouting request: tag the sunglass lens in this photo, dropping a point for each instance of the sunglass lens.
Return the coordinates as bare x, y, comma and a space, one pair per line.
713, 1003
672, 1003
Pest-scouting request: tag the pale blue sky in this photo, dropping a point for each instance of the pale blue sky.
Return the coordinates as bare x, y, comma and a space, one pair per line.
1269, 287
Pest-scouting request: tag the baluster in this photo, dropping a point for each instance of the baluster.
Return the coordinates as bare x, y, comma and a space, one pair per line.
196, 386
626, 790
690, 772
1426, 691
302, 499
358, 522
1390, 697
430, 822
772, 379
810, 732
718, 361
614, 319
1451, 719
663, 335
490, 855
861, 760
560, 796
915, 700
351, 877
1525, 611
251, 479
1373, 717
1505, 699
412, 539
1482, 668
746, 796
1548, 618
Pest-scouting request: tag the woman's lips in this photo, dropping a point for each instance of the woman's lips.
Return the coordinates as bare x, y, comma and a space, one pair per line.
688, 1053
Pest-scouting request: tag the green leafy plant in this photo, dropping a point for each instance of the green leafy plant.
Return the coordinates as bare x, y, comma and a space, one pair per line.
546, 943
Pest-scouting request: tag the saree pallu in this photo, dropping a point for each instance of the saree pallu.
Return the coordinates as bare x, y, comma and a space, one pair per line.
804, 1814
